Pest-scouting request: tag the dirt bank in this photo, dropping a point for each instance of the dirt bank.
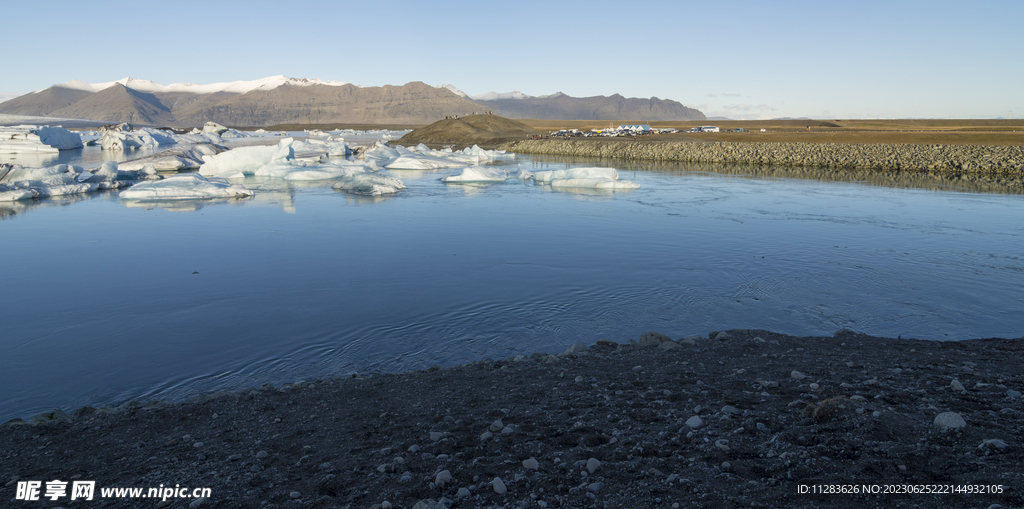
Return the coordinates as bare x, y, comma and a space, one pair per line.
487, 131
961, 159
741, 420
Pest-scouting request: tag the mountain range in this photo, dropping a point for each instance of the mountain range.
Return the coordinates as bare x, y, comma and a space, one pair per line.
281, 100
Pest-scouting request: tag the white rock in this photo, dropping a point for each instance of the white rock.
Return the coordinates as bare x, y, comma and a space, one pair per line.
499, 486
531, 464
950, 420
442, 478
463, 493
796, 375
957, 386
694, 422
593, 464
436, 435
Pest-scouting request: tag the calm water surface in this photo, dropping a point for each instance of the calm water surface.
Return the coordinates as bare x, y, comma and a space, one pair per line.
108, 301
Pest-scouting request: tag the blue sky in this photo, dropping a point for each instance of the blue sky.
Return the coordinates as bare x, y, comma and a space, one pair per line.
894, 59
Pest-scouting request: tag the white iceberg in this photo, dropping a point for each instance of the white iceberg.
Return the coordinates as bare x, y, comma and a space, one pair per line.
369, 184
186, 186
151, 138
238, 162
26, 139
21, 183
479, 174
576, 173
418, 162
278, 161
594, 183
175, 159
381, 153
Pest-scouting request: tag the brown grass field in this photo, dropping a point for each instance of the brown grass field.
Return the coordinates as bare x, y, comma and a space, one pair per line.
915, 132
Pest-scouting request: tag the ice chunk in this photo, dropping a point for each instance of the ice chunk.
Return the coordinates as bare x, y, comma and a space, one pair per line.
139, 138
334, 146
417, 162
247, 160
594, 183
369, 184
280, 161
323, 171
37, 140
175, 159
213, 127
381, 153
21, 183
575, 173
479, 174
186, 186
16, 194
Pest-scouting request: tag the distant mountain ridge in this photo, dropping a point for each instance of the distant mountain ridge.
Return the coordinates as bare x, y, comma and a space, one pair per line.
283, 100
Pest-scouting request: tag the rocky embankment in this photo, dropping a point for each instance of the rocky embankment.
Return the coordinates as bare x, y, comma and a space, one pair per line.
996, 160
742, 418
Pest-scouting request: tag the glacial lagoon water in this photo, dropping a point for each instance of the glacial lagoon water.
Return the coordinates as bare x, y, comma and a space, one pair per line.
108, 301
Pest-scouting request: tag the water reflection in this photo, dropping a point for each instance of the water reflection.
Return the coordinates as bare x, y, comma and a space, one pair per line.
9, 209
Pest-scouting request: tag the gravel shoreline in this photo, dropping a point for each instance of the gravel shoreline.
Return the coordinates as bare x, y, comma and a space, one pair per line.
959, 159
742, 418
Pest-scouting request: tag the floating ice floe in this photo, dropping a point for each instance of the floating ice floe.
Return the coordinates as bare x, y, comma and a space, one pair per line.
575, 173
590, 178
175, 159
422, 157
488, 174
186, 186
29, 139
21, 183
278, 161
315, 149
595, 183
125, 137
369, 184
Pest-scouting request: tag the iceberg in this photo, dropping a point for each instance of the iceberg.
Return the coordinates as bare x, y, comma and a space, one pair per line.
479, 174
594, 183
26, 139
279, 161
175, 159
369, 184
238, 162
381, 153
575, 173
21, 183
186, 186
213, 128
417, 162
